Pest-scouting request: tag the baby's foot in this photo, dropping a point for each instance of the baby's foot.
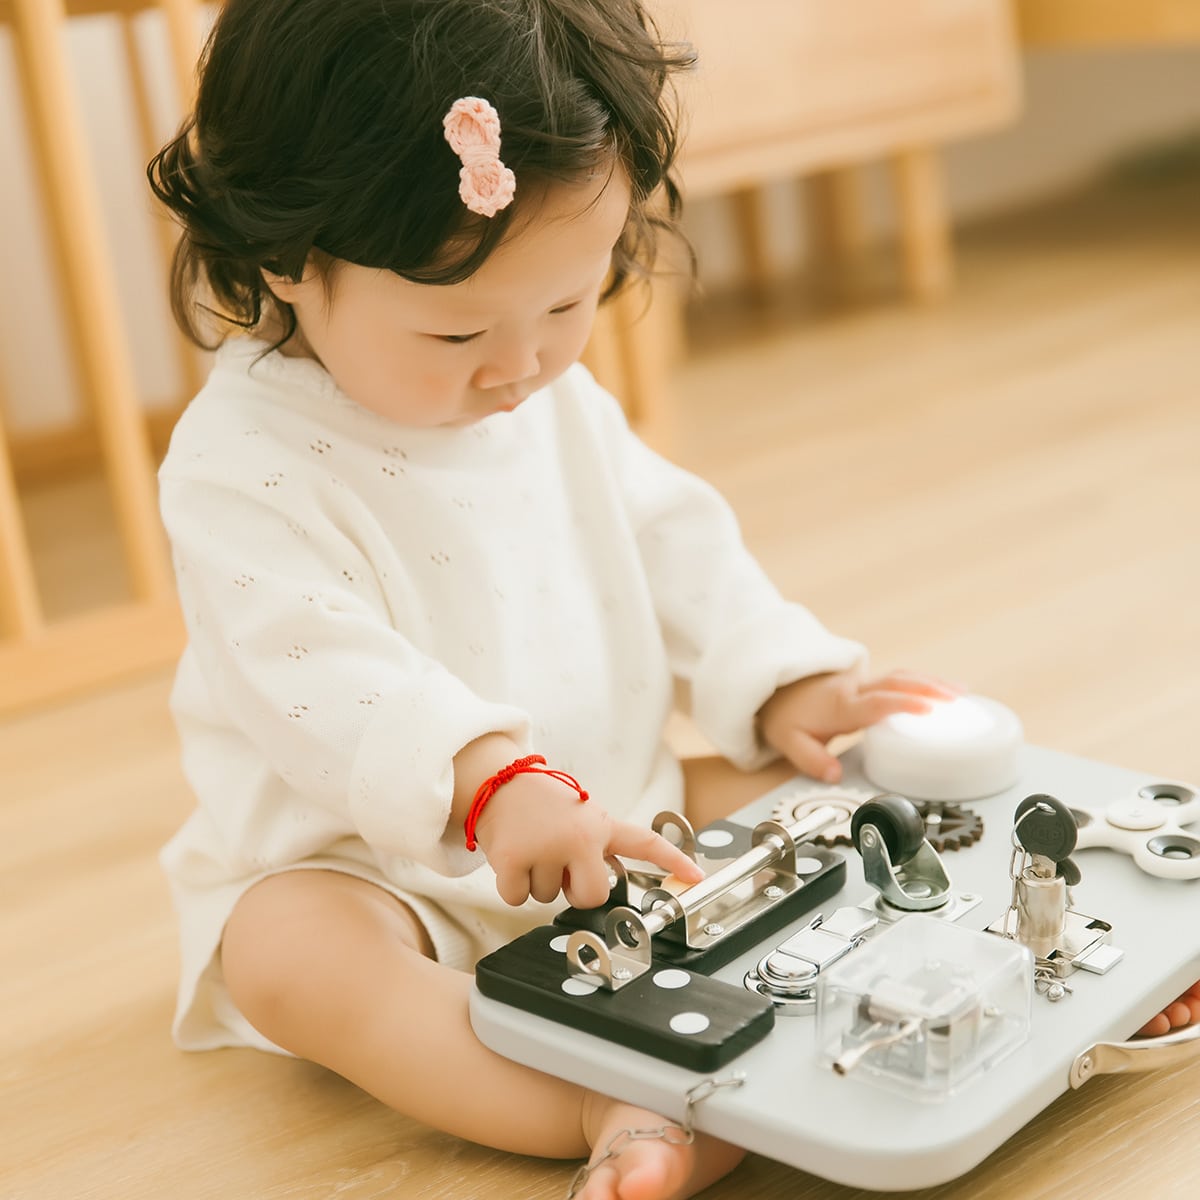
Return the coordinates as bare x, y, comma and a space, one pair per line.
649, 1168
1185, 1011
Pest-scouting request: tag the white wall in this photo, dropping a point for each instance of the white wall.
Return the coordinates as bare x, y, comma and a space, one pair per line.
1081, 109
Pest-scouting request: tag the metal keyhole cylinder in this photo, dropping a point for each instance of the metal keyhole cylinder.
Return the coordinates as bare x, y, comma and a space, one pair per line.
1041, 911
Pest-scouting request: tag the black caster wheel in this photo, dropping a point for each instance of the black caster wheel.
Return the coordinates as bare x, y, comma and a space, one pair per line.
898, 822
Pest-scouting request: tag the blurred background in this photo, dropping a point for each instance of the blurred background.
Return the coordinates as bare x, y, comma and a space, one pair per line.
941, 356
846, 166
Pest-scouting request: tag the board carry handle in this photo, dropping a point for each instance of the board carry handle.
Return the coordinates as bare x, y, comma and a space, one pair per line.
1148, 1054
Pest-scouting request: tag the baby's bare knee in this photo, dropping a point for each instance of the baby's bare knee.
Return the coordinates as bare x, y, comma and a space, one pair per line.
301, 948
264, 957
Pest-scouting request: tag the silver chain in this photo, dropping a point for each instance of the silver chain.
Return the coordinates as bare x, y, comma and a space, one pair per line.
681, 1133
1047, 983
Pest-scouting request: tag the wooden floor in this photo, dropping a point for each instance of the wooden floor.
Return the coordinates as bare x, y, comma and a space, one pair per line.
1004, 490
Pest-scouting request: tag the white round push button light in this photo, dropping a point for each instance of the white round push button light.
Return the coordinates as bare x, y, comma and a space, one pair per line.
962, 749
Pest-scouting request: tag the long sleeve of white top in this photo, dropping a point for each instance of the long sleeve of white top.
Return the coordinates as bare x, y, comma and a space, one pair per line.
729, 633
304, 658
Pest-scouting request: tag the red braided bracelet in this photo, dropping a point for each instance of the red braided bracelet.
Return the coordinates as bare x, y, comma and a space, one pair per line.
490, 786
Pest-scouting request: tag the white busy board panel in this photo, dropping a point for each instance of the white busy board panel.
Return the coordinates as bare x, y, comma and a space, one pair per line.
792, 1107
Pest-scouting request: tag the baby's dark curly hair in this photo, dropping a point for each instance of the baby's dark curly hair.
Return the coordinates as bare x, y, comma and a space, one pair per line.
317, 136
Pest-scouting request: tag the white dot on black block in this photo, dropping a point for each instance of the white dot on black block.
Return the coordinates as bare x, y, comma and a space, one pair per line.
580, 985
560, 943
689, 1022
672, 979
808, 866
714, 837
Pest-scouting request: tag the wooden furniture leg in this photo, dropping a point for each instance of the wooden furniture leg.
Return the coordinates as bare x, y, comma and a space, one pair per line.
924, 226
751, 225
836, 226
167, 232
183, 35
649, 321
603, 355
20, 609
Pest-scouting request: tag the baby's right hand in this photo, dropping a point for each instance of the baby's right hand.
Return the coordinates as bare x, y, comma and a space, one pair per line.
541, 840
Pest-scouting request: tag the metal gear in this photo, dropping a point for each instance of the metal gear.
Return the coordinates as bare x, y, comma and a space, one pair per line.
947, 826
803, 800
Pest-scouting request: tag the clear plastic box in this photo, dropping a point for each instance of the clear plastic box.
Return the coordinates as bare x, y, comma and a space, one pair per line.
925, 1006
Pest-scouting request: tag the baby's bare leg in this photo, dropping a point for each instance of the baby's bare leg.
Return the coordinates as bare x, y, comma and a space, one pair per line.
337, 971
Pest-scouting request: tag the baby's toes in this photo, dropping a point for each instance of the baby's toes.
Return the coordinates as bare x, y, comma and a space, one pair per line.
1184, 1011
1178, 1013
644, 1170
1156, 1026
601, 1184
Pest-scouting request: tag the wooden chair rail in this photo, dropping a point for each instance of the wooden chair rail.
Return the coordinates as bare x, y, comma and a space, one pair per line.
78, 653
42, 660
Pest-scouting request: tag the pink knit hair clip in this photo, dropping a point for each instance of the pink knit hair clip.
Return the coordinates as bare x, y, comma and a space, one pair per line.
472, 128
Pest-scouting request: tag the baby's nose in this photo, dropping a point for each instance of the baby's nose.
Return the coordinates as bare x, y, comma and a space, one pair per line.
513, 365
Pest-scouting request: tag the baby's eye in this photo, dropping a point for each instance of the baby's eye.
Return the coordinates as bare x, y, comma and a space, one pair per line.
456, 339
564, 308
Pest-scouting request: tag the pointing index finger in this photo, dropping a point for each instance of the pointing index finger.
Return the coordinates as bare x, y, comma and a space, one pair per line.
635, 842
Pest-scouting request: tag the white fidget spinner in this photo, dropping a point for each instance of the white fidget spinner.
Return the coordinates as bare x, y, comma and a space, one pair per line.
1150, 827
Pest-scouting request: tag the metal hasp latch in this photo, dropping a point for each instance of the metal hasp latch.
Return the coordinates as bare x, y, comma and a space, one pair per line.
1039, 913
788, 976
720, 905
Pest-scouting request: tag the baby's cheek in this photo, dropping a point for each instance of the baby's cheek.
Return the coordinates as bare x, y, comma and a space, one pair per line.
434, 388
559, 360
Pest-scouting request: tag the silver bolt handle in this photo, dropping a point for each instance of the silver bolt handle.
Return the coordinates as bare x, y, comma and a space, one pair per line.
771, 849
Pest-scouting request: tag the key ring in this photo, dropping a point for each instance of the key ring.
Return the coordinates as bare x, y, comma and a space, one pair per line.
674, 1133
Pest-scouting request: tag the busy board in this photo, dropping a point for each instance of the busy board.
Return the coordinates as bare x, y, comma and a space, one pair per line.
651, 998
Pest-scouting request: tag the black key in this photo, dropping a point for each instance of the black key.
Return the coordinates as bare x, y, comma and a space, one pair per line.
1045, 826
1069, 871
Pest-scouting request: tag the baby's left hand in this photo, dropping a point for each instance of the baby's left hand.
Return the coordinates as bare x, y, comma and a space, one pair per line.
800, 718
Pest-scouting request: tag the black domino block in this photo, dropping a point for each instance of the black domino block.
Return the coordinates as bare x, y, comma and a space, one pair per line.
528, 974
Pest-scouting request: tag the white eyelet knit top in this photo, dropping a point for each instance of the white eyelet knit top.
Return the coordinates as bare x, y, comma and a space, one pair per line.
363, 599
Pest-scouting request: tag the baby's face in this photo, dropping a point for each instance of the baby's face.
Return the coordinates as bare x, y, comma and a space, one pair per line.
425, 355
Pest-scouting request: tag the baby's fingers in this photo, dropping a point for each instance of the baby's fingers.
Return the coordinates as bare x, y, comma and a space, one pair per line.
809, 756
871, 707
545, 882
914, 683
586, 882
513, 884
633, 841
